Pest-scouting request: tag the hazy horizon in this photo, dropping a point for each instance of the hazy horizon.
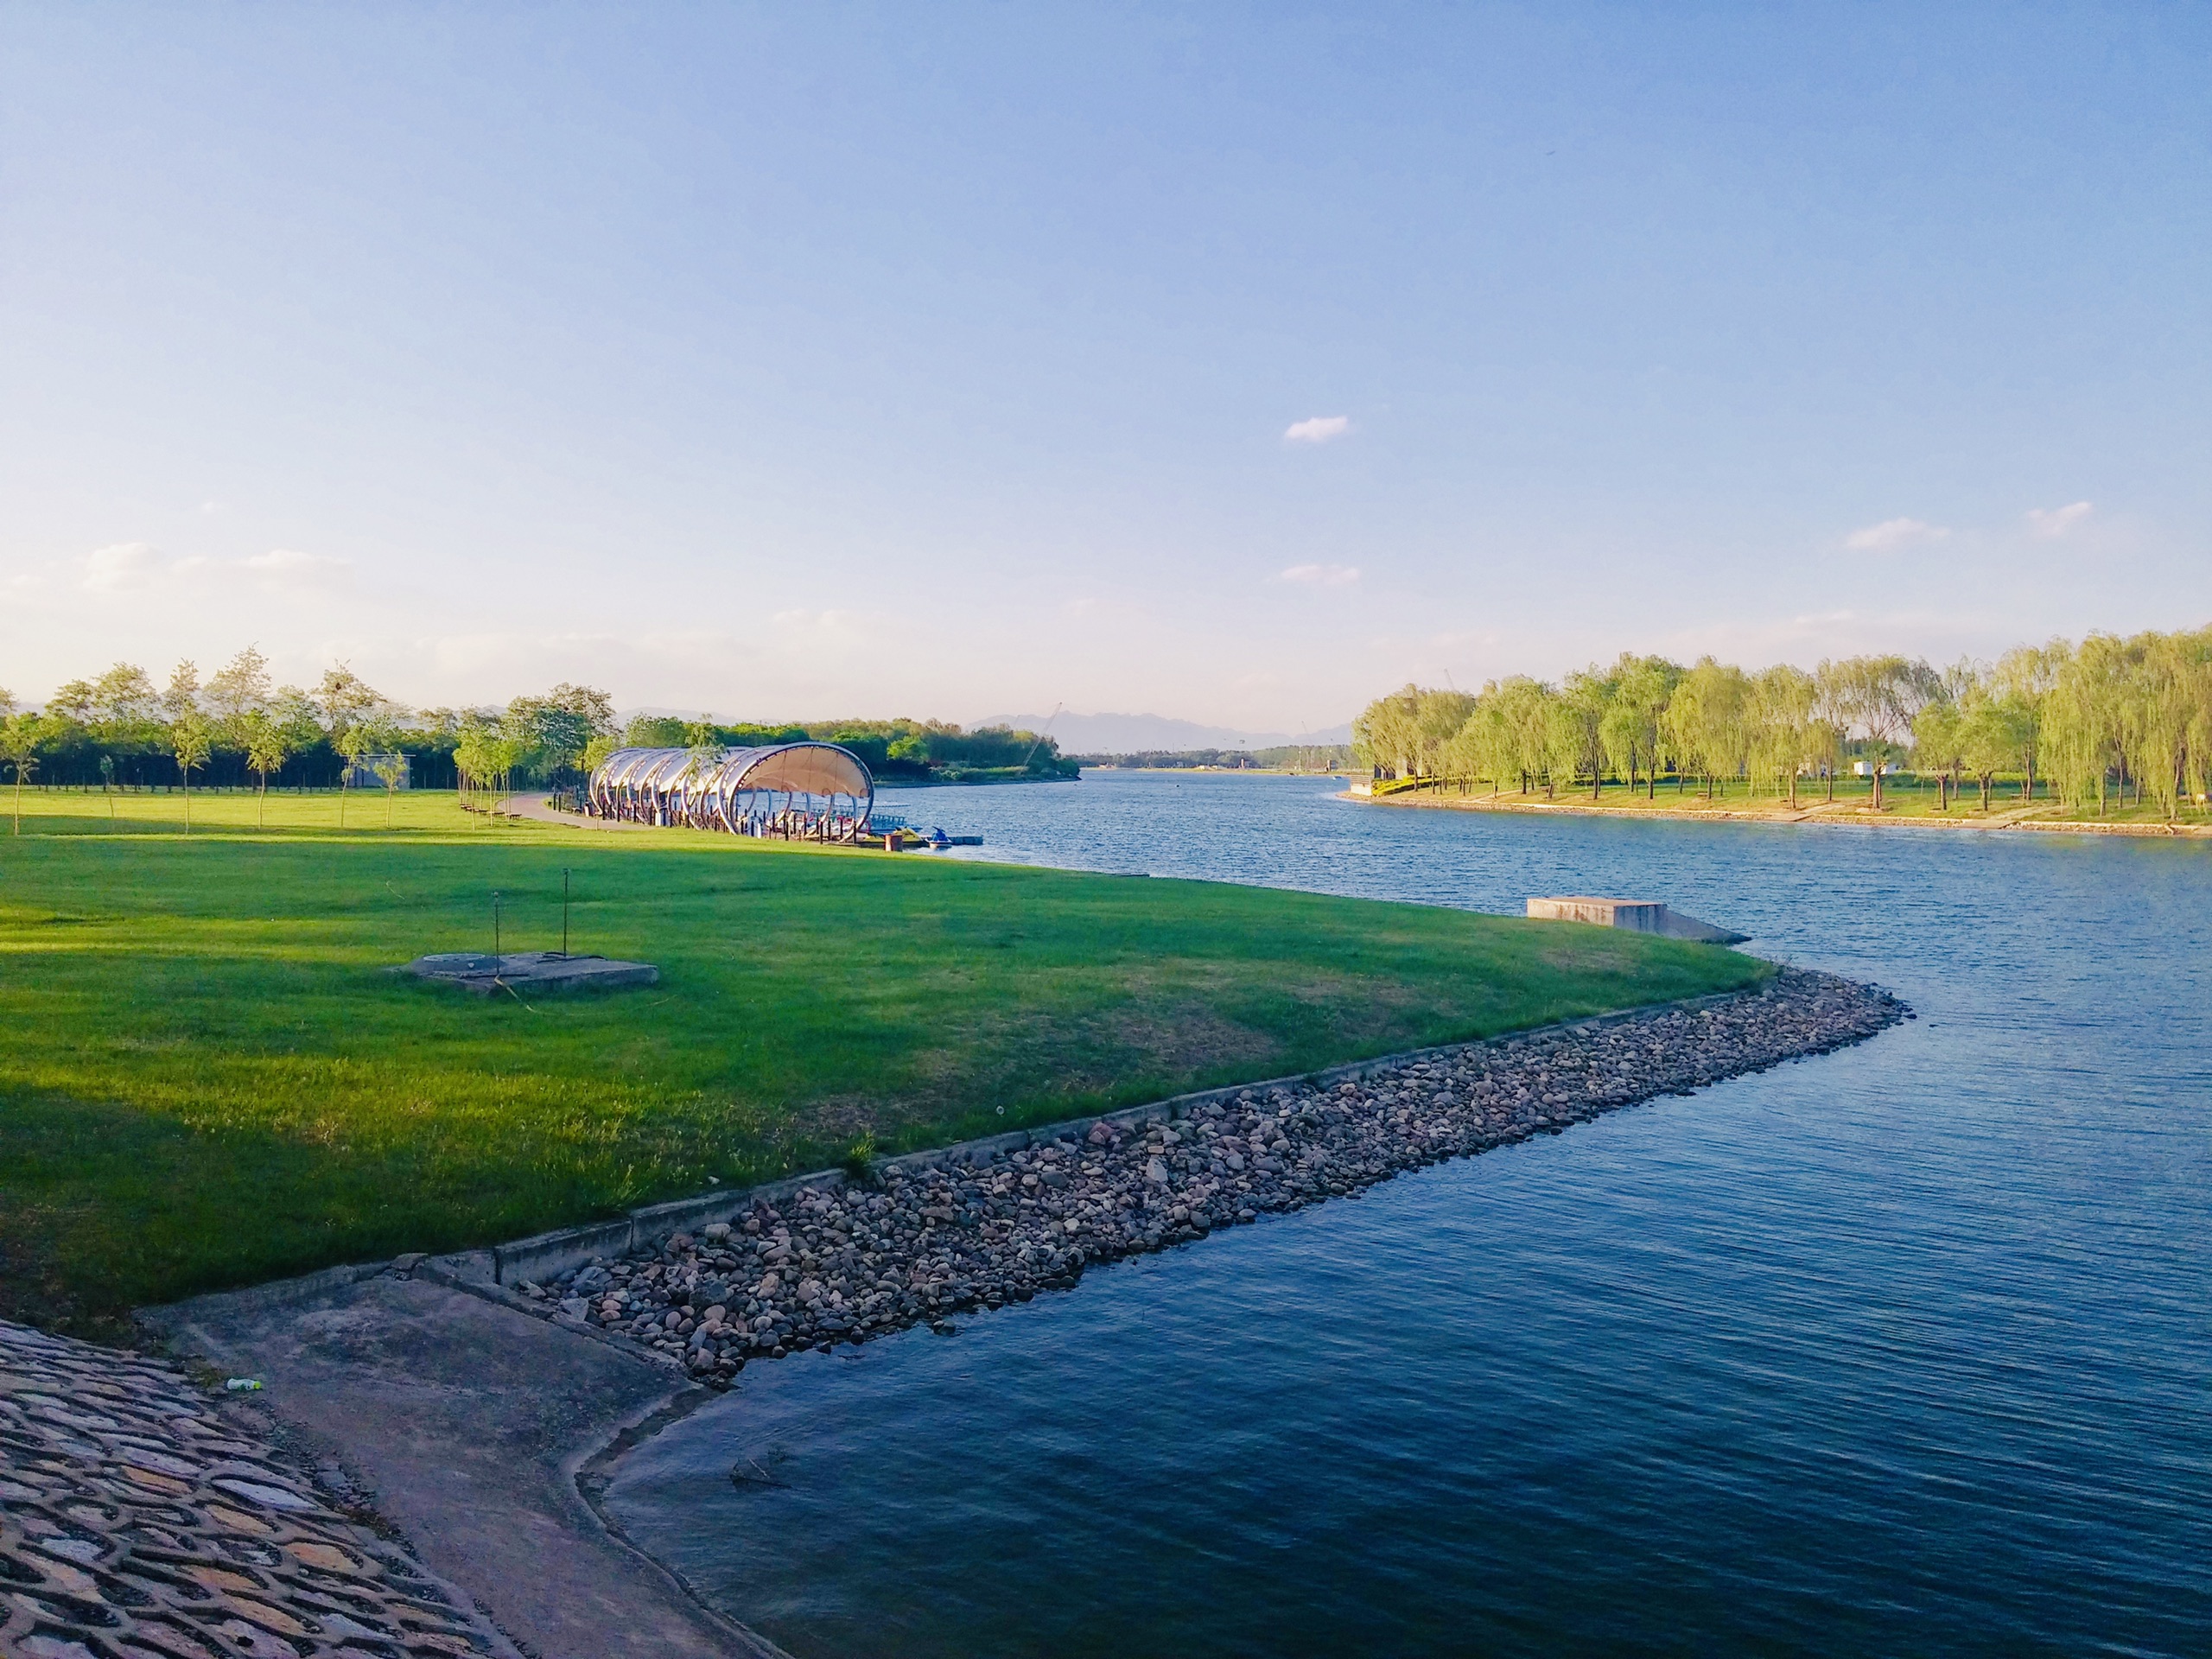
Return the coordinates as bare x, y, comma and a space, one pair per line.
1235, 367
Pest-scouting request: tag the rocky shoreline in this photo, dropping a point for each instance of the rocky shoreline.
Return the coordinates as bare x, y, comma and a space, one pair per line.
847, 1264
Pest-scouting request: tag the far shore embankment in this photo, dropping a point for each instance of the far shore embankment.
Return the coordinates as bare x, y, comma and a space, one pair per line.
2035, 817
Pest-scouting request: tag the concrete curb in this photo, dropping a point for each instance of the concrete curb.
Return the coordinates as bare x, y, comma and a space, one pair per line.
590, 1472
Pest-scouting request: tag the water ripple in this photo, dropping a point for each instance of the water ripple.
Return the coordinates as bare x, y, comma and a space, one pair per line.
1902, 1350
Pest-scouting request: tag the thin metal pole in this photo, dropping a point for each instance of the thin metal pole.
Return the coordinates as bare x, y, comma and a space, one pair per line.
564, 913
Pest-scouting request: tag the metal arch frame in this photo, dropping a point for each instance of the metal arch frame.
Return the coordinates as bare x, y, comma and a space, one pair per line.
667, 788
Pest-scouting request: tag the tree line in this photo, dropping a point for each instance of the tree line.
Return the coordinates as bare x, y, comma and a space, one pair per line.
895, 751
1283, 757
238, 728
2093, 724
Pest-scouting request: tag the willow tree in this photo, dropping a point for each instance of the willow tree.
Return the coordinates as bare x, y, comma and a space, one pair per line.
1574, 728
2173, 704
1993, 736
1940, 729
1438, 718
1385, 735
2085, 722
1938, 735
1631, 728
2025, 678
1706, 719
1875, 698
1524, 712
1781, 725
1481, 747
2199, 647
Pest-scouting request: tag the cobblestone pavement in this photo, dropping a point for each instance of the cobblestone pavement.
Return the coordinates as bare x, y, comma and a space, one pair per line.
138, 1521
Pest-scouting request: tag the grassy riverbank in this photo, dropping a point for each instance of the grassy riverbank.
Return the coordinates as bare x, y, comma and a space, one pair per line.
206, 1078
1904, 800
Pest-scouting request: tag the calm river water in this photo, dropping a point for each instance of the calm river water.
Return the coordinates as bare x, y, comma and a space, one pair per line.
1904, 1350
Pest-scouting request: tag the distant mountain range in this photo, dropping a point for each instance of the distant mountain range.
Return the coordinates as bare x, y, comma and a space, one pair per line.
1134, 733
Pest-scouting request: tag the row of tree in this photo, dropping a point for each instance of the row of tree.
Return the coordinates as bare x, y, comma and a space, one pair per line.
896, 751
1283, 757
236, 725
2094, 721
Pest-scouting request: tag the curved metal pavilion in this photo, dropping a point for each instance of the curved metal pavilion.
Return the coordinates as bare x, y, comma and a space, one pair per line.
795, 791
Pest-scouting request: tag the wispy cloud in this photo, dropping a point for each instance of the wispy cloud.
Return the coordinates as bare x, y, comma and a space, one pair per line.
137, 567
1321, 429
2051, 523
280, 567
1321, 576
124, 567
1893, 534
830, 631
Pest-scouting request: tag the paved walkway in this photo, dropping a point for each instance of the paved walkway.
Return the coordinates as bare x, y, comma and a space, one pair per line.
533, 807
140, 1519
470, 1422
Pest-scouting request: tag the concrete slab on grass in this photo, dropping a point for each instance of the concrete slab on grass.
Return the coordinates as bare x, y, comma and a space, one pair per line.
532, 971
471, 1423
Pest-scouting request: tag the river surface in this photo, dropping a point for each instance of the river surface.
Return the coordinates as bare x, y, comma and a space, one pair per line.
1902, 1350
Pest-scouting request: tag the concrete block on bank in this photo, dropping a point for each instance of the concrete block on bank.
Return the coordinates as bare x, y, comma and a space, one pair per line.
1635, 915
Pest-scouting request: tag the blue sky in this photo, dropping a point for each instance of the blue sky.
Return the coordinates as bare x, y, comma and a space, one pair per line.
947, 361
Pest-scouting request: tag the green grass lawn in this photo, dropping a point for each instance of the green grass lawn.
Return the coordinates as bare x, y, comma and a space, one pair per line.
206, 1079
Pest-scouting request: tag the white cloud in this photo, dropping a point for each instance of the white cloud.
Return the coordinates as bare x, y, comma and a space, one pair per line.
1892, 535
810, 628
125, 568
1320, 430
2051, 523
135, 567
282, 566
1321, 576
